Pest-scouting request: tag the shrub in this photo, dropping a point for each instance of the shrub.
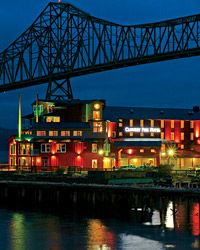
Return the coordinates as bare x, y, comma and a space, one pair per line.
60, 171
165, 169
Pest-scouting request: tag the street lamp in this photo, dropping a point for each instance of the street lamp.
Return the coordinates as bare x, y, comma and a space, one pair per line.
171, 152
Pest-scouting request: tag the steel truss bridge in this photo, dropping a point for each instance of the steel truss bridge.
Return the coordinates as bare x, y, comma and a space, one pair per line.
65, 42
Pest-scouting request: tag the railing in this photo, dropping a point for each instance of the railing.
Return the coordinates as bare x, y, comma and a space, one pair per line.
185, 172
7, 167
78, 169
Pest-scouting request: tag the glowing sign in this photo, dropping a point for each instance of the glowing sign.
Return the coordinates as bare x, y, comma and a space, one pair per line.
142, 130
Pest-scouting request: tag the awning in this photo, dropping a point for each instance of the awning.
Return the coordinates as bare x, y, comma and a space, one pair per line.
187, 154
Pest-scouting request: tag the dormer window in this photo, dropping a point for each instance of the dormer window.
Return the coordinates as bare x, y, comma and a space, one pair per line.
96, 115
50, 108
40, 109
53, 119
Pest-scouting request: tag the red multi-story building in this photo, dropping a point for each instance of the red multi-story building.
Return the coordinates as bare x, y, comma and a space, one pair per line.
90, 134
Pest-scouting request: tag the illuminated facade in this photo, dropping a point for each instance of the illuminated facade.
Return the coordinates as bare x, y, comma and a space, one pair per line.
90, 134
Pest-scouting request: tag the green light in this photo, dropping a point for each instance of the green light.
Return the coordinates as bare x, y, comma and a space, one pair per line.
28, 138
86, 112
19, 119
24, 138
106, 147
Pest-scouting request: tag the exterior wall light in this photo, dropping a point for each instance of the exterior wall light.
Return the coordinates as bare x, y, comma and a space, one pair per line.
100, 152
97, 106
38, 160
130, 151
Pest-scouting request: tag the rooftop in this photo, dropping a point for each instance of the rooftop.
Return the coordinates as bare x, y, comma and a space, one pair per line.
63, 125
114, 113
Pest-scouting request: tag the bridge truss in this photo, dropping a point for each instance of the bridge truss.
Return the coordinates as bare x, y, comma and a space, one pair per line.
65, 42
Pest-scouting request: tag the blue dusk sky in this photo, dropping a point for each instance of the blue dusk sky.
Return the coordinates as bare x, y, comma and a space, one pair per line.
174, 83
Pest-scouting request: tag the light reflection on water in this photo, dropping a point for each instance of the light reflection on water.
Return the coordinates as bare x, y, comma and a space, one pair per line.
169, 221
99, 236
177, 227
18, 232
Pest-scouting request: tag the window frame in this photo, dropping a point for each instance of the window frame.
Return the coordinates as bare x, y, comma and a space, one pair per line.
46, 145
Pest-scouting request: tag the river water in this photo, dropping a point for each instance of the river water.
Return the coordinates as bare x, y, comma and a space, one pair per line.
176, 227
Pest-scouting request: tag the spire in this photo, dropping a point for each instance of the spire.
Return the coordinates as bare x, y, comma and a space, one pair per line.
19, 118
36, 112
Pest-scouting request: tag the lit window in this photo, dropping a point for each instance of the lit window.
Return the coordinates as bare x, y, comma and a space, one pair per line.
131, 134
40, 109
162, 123
120, 124
27, 132
120, 134
120, 120
96, 115
182, 146
153, 150
13, 161
114, 134
172, 136
162, 136
50, 108
131, 123
172, 123
152, 123
94, 148
94, 163
141, 134
53, 133
77, 133
152, 134
182, 162
13, 149
141, 150
24, 149
65, 133
53, 119
191, 124
191, 136
41, 133
141, 123
163, 147
182, 124
61, 148
45, 148
182, 136
97, 127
